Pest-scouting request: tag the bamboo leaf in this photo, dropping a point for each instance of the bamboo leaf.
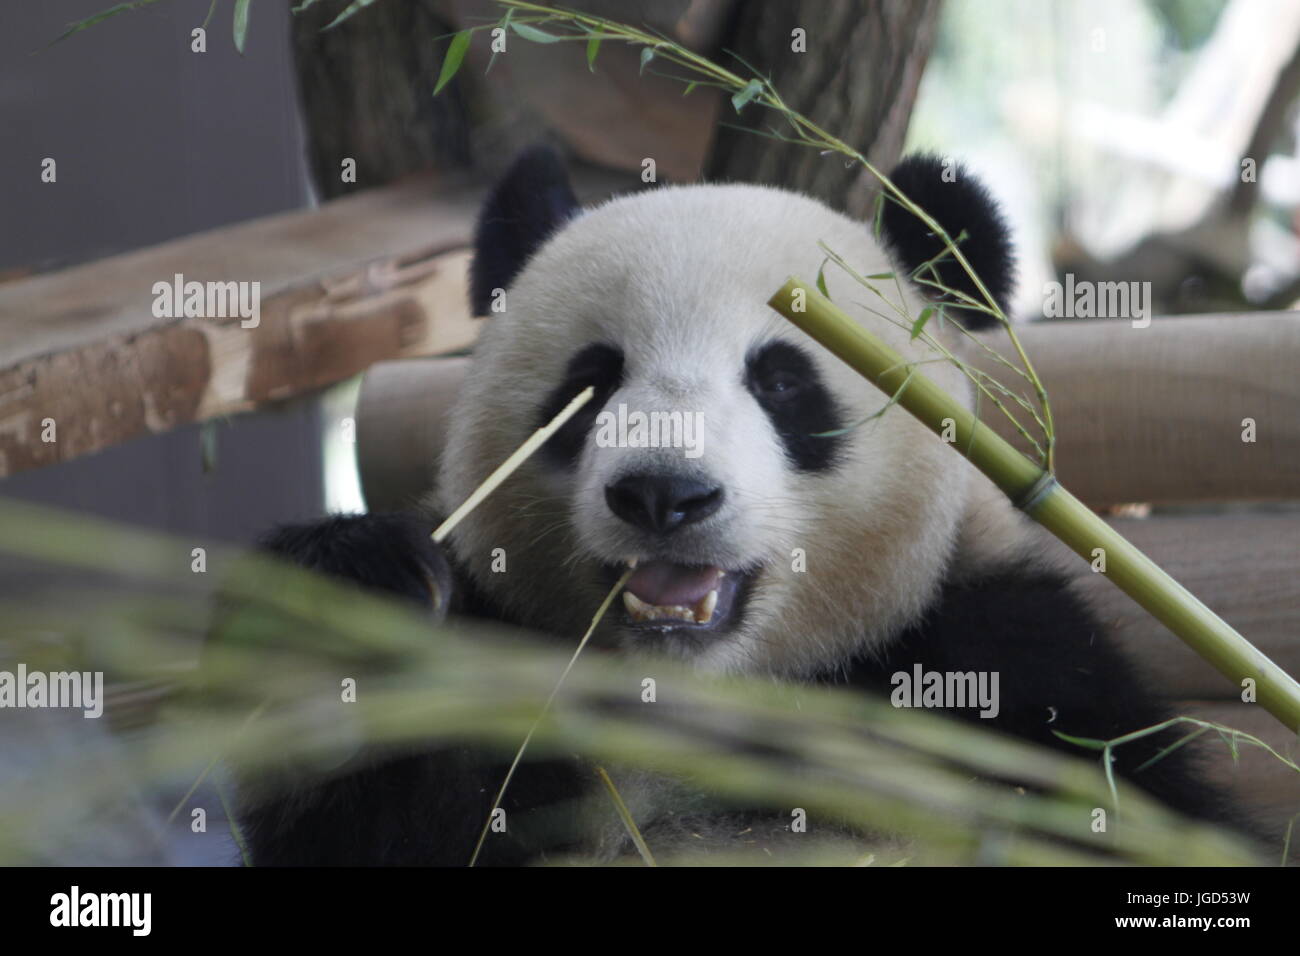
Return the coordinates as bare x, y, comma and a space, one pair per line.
821, 279
103, 15
689, 87
1187, 738
647, 55
241, 24
212, 8
919, 325
1108, 763
355, 7
751, 90
236, 831
593, 47
451, 62
503, 25
1083, 741
893, 400
534, 34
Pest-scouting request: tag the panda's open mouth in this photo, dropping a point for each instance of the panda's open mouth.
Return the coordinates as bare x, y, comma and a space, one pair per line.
661, 595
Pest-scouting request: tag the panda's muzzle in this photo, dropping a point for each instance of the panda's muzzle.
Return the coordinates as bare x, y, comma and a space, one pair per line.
664, 594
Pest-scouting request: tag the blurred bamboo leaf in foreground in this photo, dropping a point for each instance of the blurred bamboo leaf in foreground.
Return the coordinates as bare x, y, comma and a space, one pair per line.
288, 636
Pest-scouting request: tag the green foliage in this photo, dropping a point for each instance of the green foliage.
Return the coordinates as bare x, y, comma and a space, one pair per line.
90, 21
532, 33
241, 25
355, 7
451, 63
267, 697
744, 96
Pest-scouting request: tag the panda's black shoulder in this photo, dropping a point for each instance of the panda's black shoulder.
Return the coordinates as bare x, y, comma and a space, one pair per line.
1058, 671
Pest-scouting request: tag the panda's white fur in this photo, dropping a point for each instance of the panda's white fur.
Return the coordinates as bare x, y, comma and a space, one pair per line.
878, 531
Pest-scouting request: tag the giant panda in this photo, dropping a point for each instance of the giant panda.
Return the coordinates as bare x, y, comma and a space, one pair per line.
657, 299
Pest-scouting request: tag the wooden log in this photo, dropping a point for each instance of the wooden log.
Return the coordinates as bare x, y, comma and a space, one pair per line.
359, 280
1155, 414
1243, 566
402, 428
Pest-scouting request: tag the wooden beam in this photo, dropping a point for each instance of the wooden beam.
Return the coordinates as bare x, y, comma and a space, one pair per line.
1243, 566
1155, 414
402, 427
370, 277
1143, 415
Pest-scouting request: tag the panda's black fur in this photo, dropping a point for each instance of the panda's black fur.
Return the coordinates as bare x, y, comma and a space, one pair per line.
428, 808
972, 220
531, 201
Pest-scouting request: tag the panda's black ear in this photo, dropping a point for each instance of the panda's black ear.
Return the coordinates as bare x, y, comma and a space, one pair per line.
530, 202
960, 203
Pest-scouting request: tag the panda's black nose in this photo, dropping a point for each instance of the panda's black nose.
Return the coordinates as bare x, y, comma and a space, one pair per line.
662, 503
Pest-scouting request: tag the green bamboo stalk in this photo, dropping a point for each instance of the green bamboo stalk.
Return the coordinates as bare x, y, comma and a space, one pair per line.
1037, 492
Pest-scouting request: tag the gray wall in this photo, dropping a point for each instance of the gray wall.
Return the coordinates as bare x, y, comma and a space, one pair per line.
154, 141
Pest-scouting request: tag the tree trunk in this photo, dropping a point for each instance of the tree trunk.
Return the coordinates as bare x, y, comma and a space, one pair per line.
367, 94
857, 80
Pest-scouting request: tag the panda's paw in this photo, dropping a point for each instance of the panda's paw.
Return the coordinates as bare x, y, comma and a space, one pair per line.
389, 553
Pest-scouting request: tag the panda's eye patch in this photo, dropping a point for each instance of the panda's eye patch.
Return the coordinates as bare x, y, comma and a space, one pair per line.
784, 381
598, 365
779, 372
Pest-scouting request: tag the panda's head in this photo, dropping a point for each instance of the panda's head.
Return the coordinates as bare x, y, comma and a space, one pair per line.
773, 526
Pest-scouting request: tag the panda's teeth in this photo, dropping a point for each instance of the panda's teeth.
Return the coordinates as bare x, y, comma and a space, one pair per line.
631, 563
704, 610
639, 610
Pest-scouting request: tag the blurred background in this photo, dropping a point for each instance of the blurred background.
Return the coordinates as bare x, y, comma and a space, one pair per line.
1152, 140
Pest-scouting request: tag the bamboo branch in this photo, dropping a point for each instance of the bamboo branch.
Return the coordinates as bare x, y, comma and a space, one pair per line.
1037, 493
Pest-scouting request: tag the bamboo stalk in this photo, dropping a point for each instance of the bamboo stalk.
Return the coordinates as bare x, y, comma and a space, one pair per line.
1037, 493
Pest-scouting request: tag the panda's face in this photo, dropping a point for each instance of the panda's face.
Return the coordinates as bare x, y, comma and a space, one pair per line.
692, 470
723, 456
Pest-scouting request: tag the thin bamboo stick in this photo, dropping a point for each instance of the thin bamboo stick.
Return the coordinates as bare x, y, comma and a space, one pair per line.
507, 467
1037, 493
